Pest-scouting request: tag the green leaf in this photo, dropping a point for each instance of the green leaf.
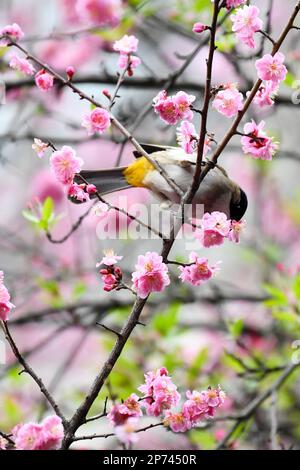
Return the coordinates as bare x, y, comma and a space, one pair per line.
47, 209
200, 5
296, 286
278, 297
28, 215
232, 362
285, 316
202, 439
164, 322
79, 290
236, 328
290, 79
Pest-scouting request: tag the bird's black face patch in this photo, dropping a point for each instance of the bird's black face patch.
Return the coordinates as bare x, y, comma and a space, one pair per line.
237, 210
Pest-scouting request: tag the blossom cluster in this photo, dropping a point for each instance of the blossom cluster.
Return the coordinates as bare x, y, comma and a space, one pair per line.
272, 71
151, 274
5, 304
188, 140
245, 23
98, 12
198, 271
171, 109
47, 435
160, 398
256, 142
111, 274
215, 228
228, 101
12, 31
126, 46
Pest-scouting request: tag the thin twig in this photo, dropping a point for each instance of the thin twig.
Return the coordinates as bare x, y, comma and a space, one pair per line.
30, 371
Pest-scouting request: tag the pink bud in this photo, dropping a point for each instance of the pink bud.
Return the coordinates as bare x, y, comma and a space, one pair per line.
103, 271
199, 28
106, 93
118, 272
70, 71
91, 189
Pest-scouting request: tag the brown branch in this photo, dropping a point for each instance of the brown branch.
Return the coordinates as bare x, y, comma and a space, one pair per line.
105, 436
30, 371
99, 416
252, 407
73, 229
7, 437
143, 83
204, 111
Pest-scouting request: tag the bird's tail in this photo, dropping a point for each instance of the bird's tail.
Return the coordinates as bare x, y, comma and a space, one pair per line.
106, 181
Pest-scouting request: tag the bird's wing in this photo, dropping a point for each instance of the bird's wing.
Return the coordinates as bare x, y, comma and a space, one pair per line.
151, 148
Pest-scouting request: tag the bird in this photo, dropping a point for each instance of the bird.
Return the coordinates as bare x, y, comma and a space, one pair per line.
217, 192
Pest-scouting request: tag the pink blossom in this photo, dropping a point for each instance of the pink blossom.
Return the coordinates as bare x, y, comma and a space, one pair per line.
126, 45
228, 102
266, 94
44, 81
202, 405
271, 68
65, 164
100, 12
214, 228
159, 391
198, 272
234, 3
21, 64
78, 192
199, 28
53, 432
151, 274
246, 23
5, 304
258, 144
178, 422
171, 109
119, 414
39, 147
184, 102
45, 436
129, 61
187, 137
126, 432
235, 230
109, 259
97, 120
29, 437
91, 189
167, 110
13, 31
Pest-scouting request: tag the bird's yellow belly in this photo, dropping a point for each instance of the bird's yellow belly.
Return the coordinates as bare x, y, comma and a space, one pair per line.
136, 172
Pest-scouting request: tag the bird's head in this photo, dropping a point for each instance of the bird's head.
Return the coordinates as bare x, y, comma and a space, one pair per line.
238, 206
